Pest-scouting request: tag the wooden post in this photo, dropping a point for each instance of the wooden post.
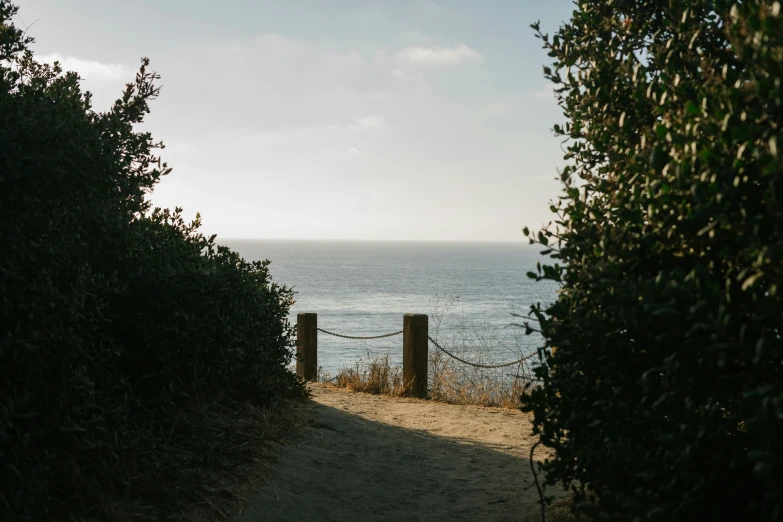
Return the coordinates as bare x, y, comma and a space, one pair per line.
414, 353
307, 345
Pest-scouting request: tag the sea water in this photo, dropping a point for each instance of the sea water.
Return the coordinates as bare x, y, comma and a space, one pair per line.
471, 292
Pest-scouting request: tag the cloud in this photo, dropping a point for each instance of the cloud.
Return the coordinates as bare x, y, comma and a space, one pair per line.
427, 6
380, 56
414, 38
334, 59
370, 16
360, 124
280, 44
368, 122
441, 56
343, 151
91, 70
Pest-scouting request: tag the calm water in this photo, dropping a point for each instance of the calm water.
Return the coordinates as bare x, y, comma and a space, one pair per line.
364, 288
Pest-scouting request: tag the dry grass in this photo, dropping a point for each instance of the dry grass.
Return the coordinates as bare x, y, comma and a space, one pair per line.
449, 381
563, 511
456, 383
375, 375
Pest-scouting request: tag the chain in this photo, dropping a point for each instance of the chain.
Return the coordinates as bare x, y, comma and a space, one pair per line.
439, 347
477, 365
360, 338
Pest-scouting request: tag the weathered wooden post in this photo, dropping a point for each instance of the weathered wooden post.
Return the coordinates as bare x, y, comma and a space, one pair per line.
307, 345
414, 353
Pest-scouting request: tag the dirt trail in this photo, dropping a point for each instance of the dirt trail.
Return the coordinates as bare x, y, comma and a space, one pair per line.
366, 458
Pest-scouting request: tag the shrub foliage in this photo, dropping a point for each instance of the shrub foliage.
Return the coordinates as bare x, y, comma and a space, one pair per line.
115, 316
664, 395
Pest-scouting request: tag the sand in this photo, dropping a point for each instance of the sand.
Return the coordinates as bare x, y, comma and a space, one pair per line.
366, 457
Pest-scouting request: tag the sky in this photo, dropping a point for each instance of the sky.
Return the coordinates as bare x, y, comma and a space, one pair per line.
332, 119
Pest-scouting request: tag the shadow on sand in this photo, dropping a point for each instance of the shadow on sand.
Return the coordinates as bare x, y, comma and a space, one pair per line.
344, 467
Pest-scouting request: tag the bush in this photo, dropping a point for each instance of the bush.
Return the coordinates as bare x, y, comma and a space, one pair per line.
115, 317
665, 393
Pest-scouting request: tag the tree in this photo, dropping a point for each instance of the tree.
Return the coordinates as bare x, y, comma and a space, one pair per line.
116, 319
667, 399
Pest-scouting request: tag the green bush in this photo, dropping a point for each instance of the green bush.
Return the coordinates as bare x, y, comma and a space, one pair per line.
115, 317
664, 396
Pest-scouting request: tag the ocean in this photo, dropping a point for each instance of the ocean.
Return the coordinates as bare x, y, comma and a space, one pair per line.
363, 288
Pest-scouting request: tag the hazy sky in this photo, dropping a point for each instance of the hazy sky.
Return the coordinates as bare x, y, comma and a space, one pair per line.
332, 119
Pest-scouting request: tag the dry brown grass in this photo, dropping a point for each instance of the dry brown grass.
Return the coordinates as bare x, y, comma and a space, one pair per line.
563, 511
456, 383
449, 381
375, 375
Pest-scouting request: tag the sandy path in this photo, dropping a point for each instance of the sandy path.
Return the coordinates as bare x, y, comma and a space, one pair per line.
365, 458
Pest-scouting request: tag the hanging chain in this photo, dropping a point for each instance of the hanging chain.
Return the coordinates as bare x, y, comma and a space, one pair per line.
478, 365
438, 346
359, 338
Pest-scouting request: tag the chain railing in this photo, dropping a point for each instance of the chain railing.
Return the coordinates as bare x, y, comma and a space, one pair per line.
358, 338
414, 349
434, 342
479, 365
